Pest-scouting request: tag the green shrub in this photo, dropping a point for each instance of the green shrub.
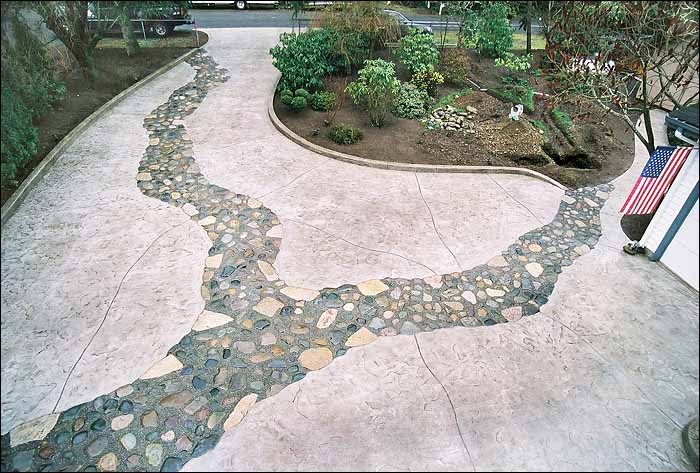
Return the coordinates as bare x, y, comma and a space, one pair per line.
454, 67
302, 93
563, 122
303, 58
286, 100
298, 104
418, 51
517, 94
410, 101
19, 138
513, 62
375, 89
450, 99
541, 127
427, 80
344, 134
494, 35
286, 92
322, 101
29, 88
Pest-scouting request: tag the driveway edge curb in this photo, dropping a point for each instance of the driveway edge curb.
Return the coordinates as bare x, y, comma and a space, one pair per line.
435, 168
9, 208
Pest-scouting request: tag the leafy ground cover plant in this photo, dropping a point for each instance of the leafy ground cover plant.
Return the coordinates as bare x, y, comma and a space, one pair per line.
344, 134
410, 101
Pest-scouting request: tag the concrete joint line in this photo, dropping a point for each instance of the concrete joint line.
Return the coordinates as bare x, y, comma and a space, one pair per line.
109, 307
516, 200
449, 399
284, 186
459, 265
360, 246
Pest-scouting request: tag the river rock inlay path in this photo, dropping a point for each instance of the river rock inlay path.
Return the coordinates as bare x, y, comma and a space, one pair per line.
258, 335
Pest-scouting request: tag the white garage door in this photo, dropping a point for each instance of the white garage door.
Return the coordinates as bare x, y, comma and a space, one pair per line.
681, 256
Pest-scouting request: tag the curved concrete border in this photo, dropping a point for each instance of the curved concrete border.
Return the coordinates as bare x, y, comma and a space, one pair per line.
18, 196
397, 166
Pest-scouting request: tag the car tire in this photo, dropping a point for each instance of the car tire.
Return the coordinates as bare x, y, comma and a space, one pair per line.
160, 30
240, 5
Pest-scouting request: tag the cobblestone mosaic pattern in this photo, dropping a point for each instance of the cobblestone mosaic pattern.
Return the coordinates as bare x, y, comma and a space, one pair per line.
257, 334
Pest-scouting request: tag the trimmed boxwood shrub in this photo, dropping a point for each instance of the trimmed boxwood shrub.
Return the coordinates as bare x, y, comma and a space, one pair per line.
322, 101
298, 104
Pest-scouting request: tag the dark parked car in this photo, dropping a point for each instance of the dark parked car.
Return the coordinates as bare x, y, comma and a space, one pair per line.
153, 21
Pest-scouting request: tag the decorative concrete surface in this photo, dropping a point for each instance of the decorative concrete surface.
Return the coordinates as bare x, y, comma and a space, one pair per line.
259, 333
77, 253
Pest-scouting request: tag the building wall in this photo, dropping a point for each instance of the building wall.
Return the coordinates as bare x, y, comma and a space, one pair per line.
683, 257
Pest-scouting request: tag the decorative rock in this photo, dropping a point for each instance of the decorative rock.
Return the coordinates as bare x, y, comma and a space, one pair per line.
172, 464
169, 436
513, 314
97, 446
143, 176
469, 296
361, 337
409, 328
534, 247
240, 411
178, 399
268, 338
498, 262
184, 443
206, 221
268, 271
122, 422
108, 462
268, 307
349, 307
244, 347
434, 281
495, 292
582, 250
315, 358
128, 441
214, 419
154, 454
167, 365
372, 287
150, 419
214, 261
36, 429
569, 200
535, 269
300, 293
125, 390
190, 210
208, 319
327, 318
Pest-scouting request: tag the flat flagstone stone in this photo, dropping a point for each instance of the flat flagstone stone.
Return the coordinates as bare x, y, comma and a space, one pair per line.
36, 429
128, 441
498, 262
495, 292
512, 314
214, 261
208, 319
160, 368
268, 307
535, 269
361, 337
434, 281
582, 249
315, 358
268, 271
240, 411
327, 318
108, 462
190, 210
372, 287
568, 199
300, 293
206, 221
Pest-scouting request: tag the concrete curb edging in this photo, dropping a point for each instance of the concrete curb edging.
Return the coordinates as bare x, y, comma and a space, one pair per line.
18, 196
436, 168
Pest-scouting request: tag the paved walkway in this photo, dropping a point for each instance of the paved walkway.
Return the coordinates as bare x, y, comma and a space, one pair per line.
279, 333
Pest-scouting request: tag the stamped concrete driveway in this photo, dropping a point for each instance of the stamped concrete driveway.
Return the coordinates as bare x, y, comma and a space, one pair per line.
603, 378
99, 281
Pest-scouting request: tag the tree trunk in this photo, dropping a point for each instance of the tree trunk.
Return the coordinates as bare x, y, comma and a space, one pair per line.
127, 27
528, 28
647, 114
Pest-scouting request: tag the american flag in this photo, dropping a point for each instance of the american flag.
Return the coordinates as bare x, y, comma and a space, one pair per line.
657, 176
